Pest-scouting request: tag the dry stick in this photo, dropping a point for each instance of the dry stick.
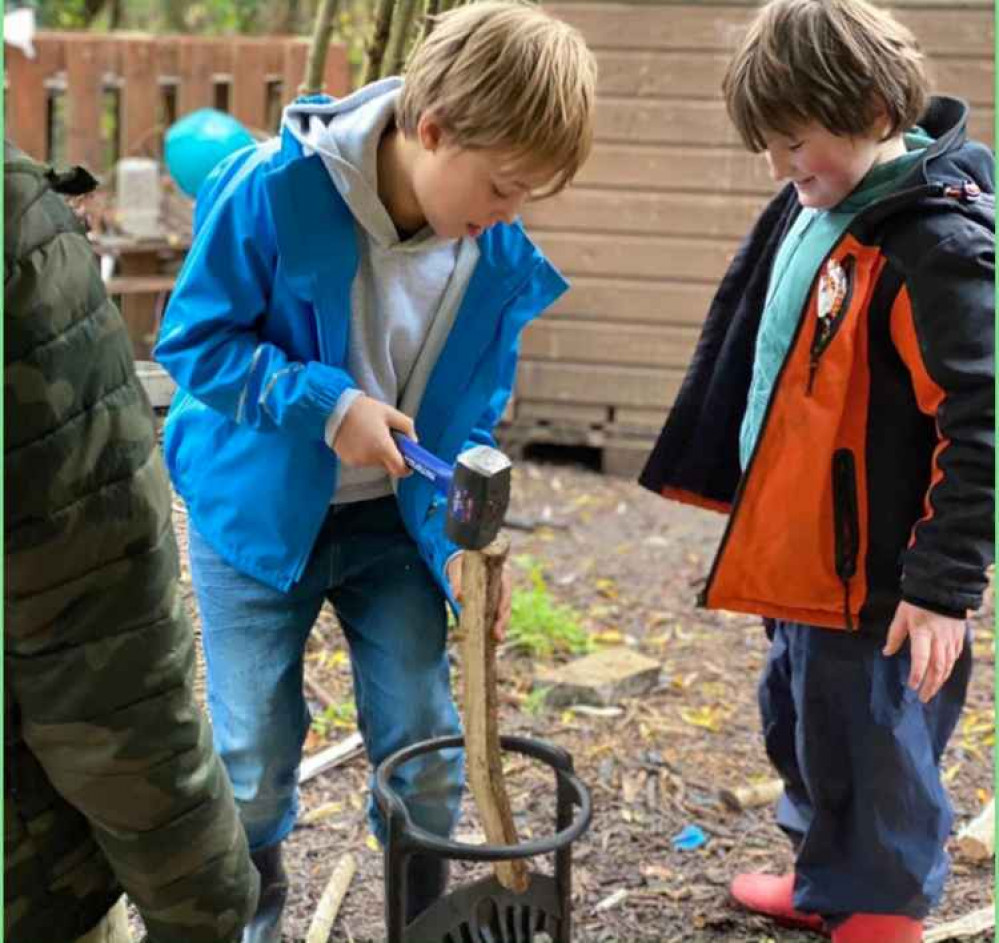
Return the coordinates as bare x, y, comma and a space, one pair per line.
481, 577
321, 32
402, 23
976, 841
332, 756
329, 903
379, 38
971, 924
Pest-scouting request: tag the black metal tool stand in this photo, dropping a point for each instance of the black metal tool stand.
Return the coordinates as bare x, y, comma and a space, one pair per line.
484, 911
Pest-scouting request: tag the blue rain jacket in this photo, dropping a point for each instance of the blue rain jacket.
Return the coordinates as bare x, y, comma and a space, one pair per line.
256, 336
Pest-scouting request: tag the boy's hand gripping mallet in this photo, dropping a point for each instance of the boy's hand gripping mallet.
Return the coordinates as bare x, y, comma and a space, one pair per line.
477, 489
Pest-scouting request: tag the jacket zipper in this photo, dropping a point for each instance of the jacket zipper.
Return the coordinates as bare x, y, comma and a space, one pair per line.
847, 524
737, 499
827, 326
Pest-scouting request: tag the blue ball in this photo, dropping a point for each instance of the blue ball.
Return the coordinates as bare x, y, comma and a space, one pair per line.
194, 146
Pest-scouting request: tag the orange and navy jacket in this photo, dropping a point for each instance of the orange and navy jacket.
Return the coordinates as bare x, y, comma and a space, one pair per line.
872, 479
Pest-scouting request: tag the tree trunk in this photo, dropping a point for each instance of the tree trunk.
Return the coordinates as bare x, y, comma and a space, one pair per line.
379, 38
402, 27
321, 32
433, 8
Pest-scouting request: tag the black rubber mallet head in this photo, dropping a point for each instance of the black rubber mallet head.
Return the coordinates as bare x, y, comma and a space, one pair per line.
477, 489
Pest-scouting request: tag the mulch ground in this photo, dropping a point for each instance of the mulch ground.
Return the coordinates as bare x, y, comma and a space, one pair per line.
630, 565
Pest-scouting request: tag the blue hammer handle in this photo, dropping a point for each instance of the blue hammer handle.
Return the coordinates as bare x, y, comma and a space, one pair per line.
425, 463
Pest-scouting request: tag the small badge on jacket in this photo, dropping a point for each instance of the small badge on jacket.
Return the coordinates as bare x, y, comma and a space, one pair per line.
833, 285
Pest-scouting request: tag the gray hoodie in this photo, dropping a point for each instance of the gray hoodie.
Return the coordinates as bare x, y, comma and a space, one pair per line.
406, 293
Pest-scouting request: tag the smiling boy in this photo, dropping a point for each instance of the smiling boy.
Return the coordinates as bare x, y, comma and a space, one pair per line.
840, 408
364, 268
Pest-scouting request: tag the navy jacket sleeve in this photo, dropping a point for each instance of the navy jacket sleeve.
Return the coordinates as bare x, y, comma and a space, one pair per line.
943, 326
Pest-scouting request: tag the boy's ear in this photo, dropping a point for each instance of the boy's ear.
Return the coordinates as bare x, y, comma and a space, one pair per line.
430, 132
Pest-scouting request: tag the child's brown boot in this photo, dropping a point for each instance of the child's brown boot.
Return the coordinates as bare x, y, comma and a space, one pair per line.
773, 895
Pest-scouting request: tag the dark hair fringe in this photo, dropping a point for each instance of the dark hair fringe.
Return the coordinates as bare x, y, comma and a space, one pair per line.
843, 63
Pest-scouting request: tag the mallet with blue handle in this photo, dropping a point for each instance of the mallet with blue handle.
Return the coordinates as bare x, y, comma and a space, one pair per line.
477, 488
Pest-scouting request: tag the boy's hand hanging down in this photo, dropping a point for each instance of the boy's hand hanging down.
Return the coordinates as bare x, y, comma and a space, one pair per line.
506, 594
364, 438
935, 642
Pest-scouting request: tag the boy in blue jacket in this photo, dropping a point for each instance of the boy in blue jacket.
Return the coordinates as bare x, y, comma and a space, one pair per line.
363, 268
840, 408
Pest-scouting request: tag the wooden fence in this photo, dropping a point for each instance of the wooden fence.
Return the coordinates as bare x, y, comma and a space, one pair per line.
657, 212
93, 98
111, 95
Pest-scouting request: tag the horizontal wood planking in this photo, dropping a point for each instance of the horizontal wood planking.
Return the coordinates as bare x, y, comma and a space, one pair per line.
648, 421
675, 167
684, 214
654, 257
556, 413
618, 299
628, 344
597, 384
627, 120
942, 32
684, 121
698, 75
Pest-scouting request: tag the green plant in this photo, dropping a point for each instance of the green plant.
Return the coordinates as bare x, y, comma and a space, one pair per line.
539, 625
534, 703
342, 715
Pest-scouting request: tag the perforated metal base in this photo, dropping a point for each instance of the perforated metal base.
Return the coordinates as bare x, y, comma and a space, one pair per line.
485, 911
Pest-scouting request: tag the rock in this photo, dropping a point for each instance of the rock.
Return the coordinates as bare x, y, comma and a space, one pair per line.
601, 679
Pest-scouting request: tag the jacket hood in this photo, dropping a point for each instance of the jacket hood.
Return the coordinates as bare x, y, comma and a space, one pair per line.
345, 133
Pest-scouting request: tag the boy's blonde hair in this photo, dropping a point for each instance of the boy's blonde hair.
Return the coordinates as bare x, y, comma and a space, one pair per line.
842, 63
510, 77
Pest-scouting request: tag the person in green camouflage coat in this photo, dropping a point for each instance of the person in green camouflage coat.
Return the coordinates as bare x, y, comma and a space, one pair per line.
110, 782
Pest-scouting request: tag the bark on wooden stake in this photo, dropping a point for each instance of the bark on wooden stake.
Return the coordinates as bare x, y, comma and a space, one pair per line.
480, 584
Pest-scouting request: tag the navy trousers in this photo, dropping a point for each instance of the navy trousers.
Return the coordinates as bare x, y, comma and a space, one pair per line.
859, 754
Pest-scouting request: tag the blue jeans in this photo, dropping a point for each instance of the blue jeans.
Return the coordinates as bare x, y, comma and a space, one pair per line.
394, 619
859, 754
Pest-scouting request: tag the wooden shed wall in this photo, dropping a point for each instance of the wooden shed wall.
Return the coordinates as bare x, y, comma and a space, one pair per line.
651, 222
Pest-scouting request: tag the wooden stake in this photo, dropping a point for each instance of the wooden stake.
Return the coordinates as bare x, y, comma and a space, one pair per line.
977, 840
329, 903
752, 795
481, 576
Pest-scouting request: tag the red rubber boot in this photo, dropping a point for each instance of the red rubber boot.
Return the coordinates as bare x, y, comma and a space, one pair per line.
772, 895
878, 928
